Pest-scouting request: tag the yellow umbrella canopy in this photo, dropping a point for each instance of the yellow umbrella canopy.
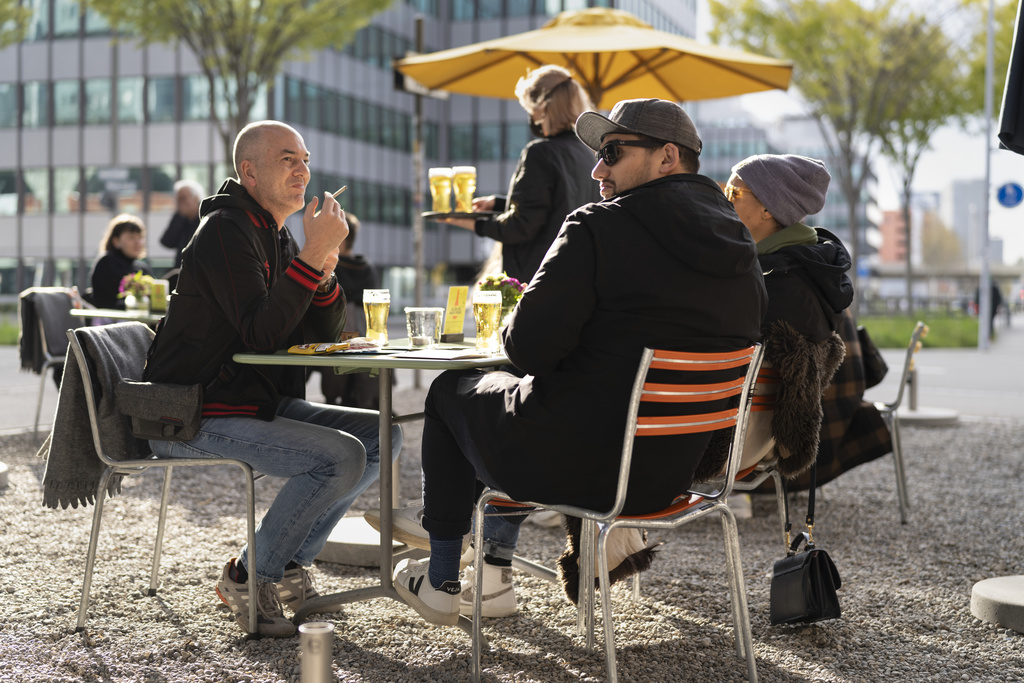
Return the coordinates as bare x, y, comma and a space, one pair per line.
612, 53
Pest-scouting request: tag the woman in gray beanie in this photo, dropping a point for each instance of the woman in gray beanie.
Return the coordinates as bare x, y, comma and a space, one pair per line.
805, 274
808, 290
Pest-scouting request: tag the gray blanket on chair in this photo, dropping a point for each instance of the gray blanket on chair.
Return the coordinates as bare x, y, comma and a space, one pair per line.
73, 468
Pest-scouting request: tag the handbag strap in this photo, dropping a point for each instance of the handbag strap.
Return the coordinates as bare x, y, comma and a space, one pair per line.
809, 521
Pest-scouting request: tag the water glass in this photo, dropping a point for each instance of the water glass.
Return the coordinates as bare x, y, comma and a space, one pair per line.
423, 326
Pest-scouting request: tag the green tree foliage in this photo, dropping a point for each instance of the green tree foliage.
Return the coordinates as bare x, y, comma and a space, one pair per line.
14, 20
937, 90
240, 44
853, 68
1005, 12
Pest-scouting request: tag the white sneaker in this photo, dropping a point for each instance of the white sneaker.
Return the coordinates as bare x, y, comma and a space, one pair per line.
499, 593
436, 605
546, 518
741, 505
407, 526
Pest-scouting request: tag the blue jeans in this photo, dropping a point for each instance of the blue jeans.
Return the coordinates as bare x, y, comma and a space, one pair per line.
329, 454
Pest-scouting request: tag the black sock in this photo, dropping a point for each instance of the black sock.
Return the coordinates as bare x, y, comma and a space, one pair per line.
237, 573
292, 565
497, 561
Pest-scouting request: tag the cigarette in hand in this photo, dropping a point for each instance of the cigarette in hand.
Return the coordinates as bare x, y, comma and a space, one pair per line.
335, 195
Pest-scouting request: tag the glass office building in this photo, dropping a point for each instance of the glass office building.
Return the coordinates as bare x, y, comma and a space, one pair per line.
89, 128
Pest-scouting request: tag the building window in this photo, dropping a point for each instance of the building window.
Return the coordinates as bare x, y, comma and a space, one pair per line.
65, 189
8, 105
462, 10
516, 137
488, 142
199, 173
97, 101
195, 96
8, 192
552, 7
520, 8
129, 99
95, 23
37, 190
460, 142
36, 113
488, 9
161, 98
431, 141
66, 18
66, 104
39, 25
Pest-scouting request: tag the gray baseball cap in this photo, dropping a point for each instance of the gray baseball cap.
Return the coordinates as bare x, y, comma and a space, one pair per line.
658, 119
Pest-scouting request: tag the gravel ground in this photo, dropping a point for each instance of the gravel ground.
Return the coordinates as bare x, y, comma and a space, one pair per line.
905, 596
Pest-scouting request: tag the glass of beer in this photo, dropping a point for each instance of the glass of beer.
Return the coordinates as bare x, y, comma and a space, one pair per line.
376, 303
487, 311
465, 187
441, 188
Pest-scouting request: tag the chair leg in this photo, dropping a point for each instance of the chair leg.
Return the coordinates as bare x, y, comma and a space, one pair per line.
738, 596
901, 475
606, 603
250, 532
158, 546
39, 401
478, 576
585, 600
94, 537
780, 503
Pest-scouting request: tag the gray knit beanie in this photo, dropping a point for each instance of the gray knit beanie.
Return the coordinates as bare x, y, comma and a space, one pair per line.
790, 186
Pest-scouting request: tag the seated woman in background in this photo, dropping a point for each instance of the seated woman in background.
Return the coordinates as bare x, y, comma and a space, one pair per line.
121, 249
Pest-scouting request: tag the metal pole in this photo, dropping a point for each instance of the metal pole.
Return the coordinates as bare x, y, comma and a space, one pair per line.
417, 188
984, 279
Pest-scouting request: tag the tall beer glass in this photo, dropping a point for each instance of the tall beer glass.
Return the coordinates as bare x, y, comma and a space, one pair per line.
376, 303
487, 311
441, 188
465, 187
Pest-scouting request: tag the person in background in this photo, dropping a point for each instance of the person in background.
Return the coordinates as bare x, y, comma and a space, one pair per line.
187, 195
661, 262
246, 286
121, 252
551, 179
805, 273
354, 273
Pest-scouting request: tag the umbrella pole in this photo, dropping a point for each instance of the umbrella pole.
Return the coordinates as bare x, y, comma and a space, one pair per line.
417, 184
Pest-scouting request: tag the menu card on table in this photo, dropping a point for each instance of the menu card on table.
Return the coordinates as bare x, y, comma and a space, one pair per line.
455, 314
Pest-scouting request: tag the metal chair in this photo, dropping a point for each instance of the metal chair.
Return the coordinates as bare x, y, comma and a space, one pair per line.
141, 337
48, 311
688, 398
889, 413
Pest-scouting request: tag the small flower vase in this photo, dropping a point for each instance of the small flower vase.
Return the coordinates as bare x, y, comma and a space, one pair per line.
506, 311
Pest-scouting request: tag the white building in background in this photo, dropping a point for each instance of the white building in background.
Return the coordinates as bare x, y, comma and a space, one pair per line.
88, 128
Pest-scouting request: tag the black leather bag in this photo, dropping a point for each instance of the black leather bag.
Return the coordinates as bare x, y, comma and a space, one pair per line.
804, 583
165, 412
875, 366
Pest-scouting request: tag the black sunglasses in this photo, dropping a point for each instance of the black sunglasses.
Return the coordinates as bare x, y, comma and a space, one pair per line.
610, 153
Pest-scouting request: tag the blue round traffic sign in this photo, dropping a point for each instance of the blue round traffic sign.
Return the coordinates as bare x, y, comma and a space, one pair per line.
1010, 195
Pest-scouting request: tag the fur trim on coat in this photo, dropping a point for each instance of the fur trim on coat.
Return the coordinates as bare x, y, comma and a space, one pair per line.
805, 370
627, 555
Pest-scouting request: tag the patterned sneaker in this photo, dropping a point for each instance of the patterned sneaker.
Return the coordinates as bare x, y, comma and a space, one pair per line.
499, 597
270, 619
407, 526
436, 605
296, 587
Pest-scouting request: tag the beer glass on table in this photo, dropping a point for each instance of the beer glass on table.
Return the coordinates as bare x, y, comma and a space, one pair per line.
376, 303
464, 178
487, 312
441, 188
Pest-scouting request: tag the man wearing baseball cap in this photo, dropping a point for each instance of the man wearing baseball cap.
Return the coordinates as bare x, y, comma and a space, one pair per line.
661, 262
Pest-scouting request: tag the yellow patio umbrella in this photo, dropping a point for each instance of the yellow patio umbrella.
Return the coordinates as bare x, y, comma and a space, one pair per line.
615, 55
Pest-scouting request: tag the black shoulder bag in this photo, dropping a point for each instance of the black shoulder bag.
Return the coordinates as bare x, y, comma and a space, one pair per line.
875, 366
804, 582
